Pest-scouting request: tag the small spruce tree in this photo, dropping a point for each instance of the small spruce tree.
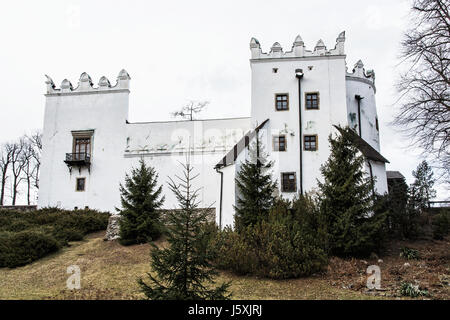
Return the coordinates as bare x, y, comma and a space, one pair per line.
184, 269
140, 198
403, 216
397, 203
422, 188
256, 188
346, 202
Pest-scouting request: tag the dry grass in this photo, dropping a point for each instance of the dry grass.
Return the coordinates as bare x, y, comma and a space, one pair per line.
431, 271
110, 271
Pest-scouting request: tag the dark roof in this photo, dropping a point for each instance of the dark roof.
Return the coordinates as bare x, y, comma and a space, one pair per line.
366, 149
394, 175
231, 156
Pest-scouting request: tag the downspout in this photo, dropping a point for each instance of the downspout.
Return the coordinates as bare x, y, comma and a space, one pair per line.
258, 163
299, 76
371, 178
221, 195
359, 98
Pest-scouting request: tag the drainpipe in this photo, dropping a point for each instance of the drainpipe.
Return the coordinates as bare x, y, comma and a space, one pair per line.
258, 163
299, 76
359, 98
371, 178
221, 195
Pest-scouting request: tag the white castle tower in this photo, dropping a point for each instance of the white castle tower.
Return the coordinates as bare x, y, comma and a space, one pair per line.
83, 143
298, 97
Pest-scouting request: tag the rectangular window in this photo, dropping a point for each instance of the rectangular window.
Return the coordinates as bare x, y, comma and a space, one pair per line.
279, 143
82, 144
312, 101
81, 147
288, 182
376, 124
282, 102
81, 183
310, 142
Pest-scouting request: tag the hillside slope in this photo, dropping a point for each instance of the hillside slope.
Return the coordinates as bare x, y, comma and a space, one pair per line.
109, 271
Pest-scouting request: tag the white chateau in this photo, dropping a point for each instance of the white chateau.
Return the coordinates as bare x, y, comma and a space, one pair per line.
297, 98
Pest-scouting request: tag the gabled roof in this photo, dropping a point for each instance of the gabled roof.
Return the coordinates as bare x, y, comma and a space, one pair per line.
366, 149
232, 155
394, 175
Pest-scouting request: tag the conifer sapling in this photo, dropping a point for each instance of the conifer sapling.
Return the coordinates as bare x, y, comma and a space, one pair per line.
256, 188
141, 200
184, 269
347, 201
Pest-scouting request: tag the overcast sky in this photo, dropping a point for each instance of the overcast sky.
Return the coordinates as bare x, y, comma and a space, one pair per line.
175, 51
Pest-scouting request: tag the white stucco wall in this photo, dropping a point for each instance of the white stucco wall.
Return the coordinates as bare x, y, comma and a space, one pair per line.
105, 113
117, 145
229, 197
325, 75
165, 144
379, 174
363, 88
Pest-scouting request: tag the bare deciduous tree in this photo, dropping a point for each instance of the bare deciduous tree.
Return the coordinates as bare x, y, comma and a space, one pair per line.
35, 140
191, 108
425, 95
29, 168
21, 160
17, 166
5, 161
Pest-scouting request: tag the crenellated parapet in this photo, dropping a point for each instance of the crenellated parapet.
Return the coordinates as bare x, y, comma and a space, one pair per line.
85, 84
359, 73
298, 49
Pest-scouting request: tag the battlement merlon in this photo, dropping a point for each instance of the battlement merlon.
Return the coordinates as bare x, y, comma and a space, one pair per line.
298, 49
85, 85
359, 73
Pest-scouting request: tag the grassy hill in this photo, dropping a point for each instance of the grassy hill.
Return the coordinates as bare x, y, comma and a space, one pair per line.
109, 271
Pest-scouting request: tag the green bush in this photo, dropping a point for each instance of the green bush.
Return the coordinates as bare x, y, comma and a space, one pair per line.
17, 249
85, 221
27, 236
276, 248
409, 290
234, 253
441, 224
410, 254
64, 235
19, 225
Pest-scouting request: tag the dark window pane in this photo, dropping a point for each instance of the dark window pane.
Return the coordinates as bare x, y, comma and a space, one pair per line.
82, 146
81, 184
279, 143
312, 101
288, 183
281, 102
310, 143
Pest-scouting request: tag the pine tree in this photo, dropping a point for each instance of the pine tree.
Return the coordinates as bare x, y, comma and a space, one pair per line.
403, 216
422, 188
397, 202
140, 198
255, 189
184, 269
346, 202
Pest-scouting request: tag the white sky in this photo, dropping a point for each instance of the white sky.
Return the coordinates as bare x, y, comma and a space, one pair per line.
180, 50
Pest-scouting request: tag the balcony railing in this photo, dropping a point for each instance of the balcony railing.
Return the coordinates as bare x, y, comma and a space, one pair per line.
78, 158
